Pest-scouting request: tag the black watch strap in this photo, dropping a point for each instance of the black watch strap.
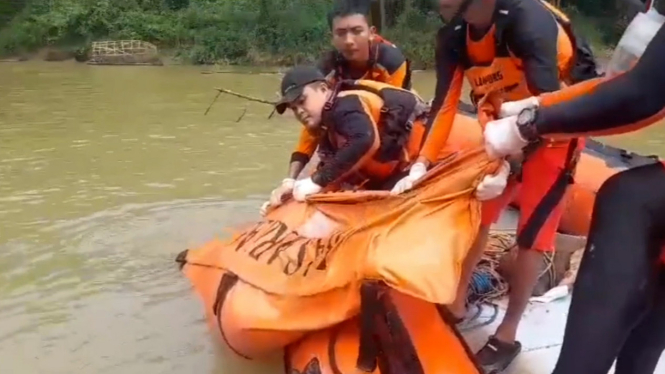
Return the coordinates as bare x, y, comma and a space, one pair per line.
526, 124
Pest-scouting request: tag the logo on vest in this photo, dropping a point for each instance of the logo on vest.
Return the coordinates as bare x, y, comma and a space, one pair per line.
488, 79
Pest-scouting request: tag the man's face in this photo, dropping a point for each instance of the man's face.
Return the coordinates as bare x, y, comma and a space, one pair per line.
308, 108
351, 37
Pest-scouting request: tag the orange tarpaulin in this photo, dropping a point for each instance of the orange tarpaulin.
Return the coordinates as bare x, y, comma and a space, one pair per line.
301, 268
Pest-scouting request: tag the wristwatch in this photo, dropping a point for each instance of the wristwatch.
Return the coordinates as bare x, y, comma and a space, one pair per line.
526, 120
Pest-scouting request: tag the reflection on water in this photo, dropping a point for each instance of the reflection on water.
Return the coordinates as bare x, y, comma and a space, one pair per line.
106, 173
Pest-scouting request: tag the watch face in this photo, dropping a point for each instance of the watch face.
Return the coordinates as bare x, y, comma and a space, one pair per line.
526, 116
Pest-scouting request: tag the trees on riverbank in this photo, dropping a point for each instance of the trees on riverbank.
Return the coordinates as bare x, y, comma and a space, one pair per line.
231, 31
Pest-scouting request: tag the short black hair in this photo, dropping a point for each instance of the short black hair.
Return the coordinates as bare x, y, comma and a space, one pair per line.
344, 8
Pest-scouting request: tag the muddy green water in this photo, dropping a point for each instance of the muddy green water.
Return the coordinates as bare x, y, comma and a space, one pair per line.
106, 173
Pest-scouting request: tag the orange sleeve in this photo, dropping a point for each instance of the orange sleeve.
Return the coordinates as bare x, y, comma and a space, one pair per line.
306, 144
304, 149
442, 115
600, 107
569, 92
623, 103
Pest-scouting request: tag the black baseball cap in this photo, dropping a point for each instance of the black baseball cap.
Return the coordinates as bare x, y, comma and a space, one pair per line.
294, 82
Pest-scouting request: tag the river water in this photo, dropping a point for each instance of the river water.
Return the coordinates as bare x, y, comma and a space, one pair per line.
106, 173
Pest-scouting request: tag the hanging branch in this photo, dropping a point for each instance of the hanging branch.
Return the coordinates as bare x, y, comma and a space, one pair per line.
246, 97
211, 103
242, 96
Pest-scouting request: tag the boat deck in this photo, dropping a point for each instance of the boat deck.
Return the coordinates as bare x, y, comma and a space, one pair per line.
540, 332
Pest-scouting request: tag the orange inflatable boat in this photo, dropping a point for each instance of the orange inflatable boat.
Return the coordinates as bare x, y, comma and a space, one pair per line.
414, 337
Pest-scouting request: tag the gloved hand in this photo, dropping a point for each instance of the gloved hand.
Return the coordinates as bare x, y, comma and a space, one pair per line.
513, 108
264, 208
278, 195
503, 138
304, 188
492, 186
416, 172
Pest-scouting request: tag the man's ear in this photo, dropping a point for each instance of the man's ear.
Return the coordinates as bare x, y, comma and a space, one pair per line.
372, 32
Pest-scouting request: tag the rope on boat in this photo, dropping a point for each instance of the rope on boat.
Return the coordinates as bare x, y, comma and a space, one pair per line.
487, 284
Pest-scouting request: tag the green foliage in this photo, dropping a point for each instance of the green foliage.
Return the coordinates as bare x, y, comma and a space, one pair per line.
414, 31
604, 20
211, 31
201, 31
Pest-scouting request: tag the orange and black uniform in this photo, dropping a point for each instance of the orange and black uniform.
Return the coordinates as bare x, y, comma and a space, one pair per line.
387, 64
359, 145
618, 307
625, 103
525, 52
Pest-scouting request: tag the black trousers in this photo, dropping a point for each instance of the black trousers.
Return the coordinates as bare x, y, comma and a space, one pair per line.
618, 304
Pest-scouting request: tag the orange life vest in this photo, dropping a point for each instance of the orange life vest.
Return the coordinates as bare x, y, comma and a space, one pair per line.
492, 67
398, 115
380, 39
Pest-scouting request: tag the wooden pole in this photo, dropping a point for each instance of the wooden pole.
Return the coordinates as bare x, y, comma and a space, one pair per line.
242, 96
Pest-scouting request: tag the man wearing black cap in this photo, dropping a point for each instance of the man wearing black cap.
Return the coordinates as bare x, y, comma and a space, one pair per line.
354, 145
305, 86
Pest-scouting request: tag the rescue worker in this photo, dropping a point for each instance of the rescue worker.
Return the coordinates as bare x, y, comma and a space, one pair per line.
519, 48
618, 305
365, 134
359, 53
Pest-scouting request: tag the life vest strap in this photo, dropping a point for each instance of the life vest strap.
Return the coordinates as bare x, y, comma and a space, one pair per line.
384, 340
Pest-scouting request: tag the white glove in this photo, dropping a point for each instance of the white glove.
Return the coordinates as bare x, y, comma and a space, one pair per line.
416, 172
492, 186
513, 108
304, 188
264, 208
502, 137
278, 194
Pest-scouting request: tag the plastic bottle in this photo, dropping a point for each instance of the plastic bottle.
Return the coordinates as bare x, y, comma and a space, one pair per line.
634, 41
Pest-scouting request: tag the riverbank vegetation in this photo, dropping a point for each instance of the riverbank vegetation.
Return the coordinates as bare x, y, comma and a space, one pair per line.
258, 32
